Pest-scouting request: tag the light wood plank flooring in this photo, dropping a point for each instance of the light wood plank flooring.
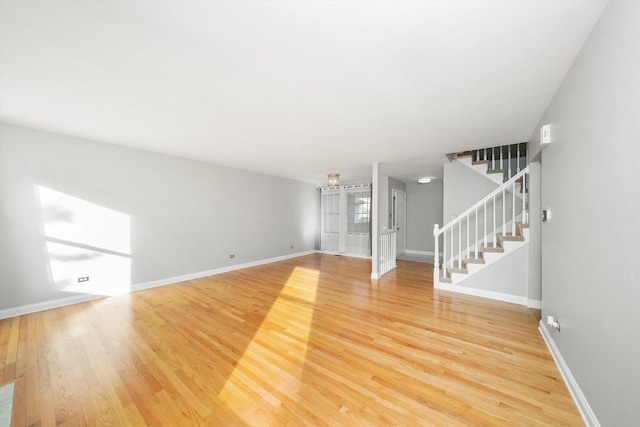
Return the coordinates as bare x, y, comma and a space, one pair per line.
308, 341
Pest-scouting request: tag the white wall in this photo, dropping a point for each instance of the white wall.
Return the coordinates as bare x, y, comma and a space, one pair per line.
535, 220
424, 209
173, 216
590, 255
387, 185
507, 278
463, 187
383, 203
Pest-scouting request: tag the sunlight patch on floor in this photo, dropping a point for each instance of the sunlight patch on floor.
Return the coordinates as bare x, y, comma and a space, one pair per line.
6, 404
284, 333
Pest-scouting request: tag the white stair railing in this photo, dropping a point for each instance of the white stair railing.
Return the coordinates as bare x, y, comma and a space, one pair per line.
386, 252
479, 226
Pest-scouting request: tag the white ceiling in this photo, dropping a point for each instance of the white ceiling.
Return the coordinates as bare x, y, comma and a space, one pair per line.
290, 88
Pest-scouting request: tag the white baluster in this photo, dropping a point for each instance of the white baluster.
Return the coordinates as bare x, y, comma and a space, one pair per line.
451, 259
494, 222
509, 174
389, 251
485, 224
518, 160
504, 208
459, 243
385, 246
513, 208
386, 251
444, 254
381, 254
468, 246
436, 255
475, 241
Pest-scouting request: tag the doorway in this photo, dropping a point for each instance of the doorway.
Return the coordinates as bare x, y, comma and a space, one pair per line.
345, 220
399, 220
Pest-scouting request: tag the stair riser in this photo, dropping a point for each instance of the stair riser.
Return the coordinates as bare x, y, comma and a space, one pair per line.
490, 258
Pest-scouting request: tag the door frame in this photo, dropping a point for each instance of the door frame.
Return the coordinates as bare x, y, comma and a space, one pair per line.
394, 196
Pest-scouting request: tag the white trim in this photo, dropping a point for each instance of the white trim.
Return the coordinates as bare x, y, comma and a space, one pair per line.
588, 416
344, 254
534, 303
394, 219
47, 305
499, 296
61, 302
375, 231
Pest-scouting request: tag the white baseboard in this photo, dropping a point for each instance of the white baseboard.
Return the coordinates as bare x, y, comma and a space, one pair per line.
534, 303
499, 296
341, 254
588, 416
47, 305
423, 253
183, 278
61, 302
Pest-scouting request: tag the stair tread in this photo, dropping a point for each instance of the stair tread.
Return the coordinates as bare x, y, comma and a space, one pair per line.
511, 238
491, 248
496, 171
464, 154
480, 162
479, 260
445, 280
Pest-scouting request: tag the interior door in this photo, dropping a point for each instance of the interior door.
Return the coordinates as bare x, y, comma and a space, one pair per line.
399, 220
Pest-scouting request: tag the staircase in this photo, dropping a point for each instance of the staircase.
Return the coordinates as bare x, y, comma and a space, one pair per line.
492, 228
497, 163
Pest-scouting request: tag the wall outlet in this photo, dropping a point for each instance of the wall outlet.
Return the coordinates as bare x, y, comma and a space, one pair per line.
553, 322
83, 279
232, 256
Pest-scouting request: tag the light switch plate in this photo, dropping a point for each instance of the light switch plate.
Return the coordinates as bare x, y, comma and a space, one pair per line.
545, 135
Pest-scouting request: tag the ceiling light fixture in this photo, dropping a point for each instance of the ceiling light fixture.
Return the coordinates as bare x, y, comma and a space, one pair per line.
334, 179
424, 180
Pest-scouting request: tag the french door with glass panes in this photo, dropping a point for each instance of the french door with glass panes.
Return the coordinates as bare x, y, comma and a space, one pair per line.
346, 220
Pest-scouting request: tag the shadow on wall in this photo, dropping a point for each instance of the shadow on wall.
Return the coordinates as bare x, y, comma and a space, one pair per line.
88, 247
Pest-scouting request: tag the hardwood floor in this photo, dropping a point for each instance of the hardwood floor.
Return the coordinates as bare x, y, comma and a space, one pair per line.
308, 341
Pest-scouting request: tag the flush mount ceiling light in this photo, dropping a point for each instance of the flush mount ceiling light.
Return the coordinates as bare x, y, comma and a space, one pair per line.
334, 179
424, 180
